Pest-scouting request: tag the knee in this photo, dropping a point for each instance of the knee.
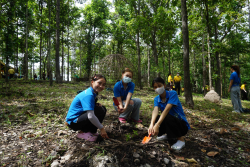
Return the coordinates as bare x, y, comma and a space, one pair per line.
138, 101
131, 102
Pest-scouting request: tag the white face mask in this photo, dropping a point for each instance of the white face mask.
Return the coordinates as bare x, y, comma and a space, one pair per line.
160, 90
178, 74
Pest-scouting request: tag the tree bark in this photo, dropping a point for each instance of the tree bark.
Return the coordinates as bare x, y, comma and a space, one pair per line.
68, 44
204, 66
25, 64
49, 67
57, 40
187, 85
138, 49
62, 57
41, 11
148, 67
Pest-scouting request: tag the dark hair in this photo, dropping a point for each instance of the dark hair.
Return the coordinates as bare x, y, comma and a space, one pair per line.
245, 82
127, 70
169, 73
97, 77
237, 69
158, 79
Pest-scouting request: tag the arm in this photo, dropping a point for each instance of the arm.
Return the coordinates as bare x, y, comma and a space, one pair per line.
120, 109
230, 85
154, 116
128, 99
162, 117
95, 121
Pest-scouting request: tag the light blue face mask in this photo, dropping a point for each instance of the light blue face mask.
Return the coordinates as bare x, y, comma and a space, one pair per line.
126, 79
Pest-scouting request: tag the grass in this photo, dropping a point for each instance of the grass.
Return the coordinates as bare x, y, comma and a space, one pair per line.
45, 108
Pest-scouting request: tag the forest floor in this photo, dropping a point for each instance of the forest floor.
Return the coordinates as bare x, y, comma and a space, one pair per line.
32, 131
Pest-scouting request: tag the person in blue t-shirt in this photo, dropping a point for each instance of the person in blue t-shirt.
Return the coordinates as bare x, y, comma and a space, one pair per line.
172, 123
123, 91
234, 89
85, 114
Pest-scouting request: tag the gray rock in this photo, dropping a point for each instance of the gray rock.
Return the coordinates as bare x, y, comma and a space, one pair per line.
136, 155
166, 161
107, 160
91, 151
231, 161
147, 165
137, 161
55, 164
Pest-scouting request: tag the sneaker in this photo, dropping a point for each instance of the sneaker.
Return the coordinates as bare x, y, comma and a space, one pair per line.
136, 121
235, 112
122, 120
162, 137
178, 145
87, 136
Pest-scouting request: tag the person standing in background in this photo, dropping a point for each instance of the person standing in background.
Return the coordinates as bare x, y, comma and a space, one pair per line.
170, 81
243, 91
177, 81
234, 89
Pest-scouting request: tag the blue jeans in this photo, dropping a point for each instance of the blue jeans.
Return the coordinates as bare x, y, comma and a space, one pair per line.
133, 109
235, 98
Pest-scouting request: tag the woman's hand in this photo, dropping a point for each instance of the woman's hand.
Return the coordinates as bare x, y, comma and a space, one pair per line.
151, 129
104, 134
120, 109
156, 129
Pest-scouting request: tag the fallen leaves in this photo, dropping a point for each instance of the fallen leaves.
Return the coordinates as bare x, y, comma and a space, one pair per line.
192, 160
30, 114
20, 137
235, 129
179, 158
203, 150
212, 153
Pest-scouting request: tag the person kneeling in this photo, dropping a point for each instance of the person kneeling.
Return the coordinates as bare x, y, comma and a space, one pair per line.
172, 120
85, 114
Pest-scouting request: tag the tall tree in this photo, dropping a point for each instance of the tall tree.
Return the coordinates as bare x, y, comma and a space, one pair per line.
58, 77
187, 85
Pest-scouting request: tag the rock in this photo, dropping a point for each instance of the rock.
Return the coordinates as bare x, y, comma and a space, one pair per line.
152, 156
231, 161
137, 161
91, 151
147, 165
166, 161
135, 155
53, 153
55, 164
212, 96
107, 160
66, 157
153, 152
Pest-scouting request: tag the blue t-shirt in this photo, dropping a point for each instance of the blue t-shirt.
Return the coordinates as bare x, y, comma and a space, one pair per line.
176, 110
83, 102
236, 79
119, 90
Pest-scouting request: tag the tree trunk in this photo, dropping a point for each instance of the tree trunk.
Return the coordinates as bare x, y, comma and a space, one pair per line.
148, 66
62, 57
204, 66
187, 85
218, 71
17, 49
68, 45
169, 56
138, 49
57, 40
25, 64
41, 11
49, 47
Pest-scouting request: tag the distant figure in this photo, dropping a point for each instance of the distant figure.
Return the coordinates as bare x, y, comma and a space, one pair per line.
35, 77
43, 75
234, 89
243, 91
177, 81
170, 81
11, 72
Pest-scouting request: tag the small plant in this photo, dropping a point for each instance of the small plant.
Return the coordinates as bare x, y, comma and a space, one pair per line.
128, 137
135, 132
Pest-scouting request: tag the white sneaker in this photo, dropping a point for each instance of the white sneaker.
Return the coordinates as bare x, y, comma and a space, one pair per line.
163, 137
235, 112
178, 145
